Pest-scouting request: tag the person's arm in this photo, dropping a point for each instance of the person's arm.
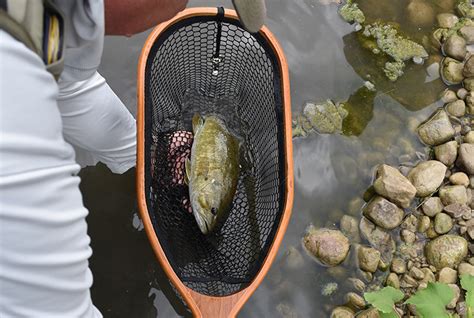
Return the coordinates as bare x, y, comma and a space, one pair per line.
127, 17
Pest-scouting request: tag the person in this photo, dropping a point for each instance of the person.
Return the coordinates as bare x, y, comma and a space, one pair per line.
49, 128
44, 246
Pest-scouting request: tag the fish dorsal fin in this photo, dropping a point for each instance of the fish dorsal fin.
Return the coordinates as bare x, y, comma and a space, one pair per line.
187, 173
198, 121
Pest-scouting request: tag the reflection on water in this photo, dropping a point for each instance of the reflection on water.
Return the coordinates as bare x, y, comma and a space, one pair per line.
331, 171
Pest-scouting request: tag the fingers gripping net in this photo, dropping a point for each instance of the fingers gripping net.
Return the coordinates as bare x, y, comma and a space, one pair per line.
241, 82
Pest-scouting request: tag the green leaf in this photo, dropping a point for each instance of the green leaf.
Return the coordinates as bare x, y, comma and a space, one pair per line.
431, 301
467, 283
384, 299
389, 315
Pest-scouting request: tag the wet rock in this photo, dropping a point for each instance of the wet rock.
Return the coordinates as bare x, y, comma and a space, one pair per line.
469, 137
447, 153
355, 300
468, 84
432, 206
355, 206
326, 117
447, 275
350, 227
417, 273
369, 258
468, 70
408, 282
461, 309
410, 223
446, 251
446, 20
377, 238
429, 276
457, 108
453, 194
465, 268
455, 47
391, 184
437, 129
286, 311
443, 223
452, 71
457, 210
466, 158
398, 266
393, 280
423, 224
462, 93
427, 176
420, 13
459, 178
342, 312
467, 32
383, 213
337, 272
330, 247
357, 284
408, 236
369, 313
448, 96
293, 258
457, 293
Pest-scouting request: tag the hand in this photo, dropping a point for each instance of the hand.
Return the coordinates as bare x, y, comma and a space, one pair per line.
128, 17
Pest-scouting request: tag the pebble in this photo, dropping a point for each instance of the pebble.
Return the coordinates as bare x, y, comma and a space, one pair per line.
446, 251
465, 268
462, 93
447, 275
408, 282
467, 33
448, 96
393, 280
383, 213
447, 20
466, 158
355, 300
437, 129
423, 224
469, 137
368, 258
391, 184
447, 153
459, 178
453, 194
457, 292
457, 210
432, 206
457, 108
408, 236
350, 227
417, 273
330, 247
357, 284
410, 223
398, 266
468, 70
452, 71
429, 276
427, 176
442, 223
461, 308
342, 312
455, 47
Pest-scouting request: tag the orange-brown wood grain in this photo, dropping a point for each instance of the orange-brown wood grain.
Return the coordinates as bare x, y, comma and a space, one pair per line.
202, 305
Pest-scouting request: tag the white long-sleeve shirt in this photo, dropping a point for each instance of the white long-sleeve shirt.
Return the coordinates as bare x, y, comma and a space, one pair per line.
44, 246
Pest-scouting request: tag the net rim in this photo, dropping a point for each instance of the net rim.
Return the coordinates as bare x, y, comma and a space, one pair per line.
199, 303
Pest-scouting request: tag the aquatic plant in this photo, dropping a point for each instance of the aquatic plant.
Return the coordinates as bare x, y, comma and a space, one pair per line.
351, 13
465, 8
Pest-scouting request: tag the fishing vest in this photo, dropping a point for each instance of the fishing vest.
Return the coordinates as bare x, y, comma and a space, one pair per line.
40, 26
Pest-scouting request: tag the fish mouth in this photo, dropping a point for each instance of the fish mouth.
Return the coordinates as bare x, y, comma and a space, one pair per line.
205, 224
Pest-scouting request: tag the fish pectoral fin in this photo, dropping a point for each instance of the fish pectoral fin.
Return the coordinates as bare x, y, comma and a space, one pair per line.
187, 173
198, 121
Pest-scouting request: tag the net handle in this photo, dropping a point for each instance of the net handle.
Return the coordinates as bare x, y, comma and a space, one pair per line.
203, 306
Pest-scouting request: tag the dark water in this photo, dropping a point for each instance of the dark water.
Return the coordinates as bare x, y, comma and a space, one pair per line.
331, 171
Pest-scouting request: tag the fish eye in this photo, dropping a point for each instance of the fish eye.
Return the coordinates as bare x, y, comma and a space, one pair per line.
213, 211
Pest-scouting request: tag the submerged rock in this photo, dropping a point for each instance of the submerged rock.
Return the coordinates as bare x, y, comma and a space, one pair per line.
350, 227
447, 20
432, 206
466, 158
446, 251
326, 118
378, 239
342, 312
468, 33
447, 153
455, 47
452, 71
468, 70
369, 258
427, 176
465, 8
457, 108
420, 13
437, 129
383, 213
330, 247
391, 184
443, 223
453, 194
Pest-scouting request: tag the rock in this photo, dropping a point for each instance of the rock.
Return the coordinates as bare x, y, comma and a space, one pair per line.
465, 268
391, 184
447, 275
461, 309
455, 47
437, 129
408, 236
383, 213
355, 206
452, 71
330, 247
368, 258
453, 194
466, 158
459, 178
417, 273
337, 272
468, 70
448, 96
355, 300
325, 117
369, 313
462, 93
457, 293
423, 224
429, 276
457, 108
467, 32
443, 223
350, 227
432, 206
469, 137
398, 266
393, 280
408, 282
342, 312
377, 238
457, 210
420, 13
427, 176
293, 258
446, 251
357, 284
410, 223
286, 311
447, 153
447, 20
468, 84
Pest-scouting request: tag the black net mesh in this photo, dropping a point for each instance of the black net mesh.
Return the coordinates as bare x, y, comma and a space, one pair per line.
183, 77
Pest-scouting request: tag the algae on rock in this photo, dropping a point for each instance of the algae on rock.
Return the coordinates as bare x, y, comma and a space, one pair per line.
351, 13
465, 8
